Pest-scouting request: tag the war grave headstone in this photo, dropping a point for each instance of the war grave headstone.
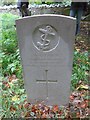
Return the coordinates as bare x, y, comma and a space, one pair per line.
46, 45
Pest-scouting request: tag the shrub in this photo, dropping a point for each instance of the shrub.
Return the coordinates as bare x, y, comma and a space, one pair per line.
10, 52
11, 58
81, 67
9, 2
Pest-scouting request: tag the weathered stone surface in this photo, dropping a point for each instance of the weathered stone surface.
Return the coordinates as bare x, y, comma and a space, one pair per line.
46, 47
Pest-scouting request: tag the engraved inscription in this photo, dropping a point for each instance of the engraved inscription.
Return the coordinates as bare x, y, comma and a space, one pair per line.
45, 38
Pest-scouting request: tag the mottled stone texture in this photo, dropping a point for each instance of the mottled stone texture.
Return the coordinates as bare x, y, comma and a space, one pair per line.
46, 47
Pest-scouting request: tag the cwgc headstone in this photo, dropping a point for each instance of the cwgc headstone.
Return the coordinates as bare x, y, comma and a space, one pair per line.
46, 45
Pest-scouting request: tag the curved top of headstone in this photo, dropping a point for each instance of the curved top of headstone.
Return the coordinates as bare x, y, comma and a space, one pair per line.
47, 15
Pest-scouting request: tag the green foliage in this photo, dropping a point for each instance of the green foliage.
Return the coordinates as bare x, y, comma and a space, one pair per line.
11, 59
8, 2
13, 95
14, 103
63, 2
10, 53
80, 68
12, 2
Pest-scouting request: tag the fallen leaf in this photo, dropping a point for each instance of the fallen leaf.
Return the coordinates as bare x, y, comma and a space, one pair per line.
71, 97
15, 98
26, 105
83, 105
78, 114
55, 108
44, 115
86, 87
13, 109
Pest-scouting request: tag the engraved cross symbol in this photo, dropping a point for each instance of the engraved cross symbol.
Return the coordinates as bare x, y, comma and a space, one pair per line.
46, 81
44, 44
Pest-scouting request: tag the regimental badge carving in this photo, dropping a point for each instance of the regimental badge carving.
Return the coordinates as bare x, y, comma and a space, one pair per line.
45, 38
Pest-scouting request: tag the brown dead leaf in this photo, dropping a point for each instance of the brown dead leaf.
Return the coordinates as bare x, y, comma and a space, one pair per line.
55, 108
12, 108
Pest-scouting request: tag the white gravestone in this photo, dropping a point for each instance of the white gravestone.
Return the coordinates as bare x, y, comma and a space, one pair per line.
46, 45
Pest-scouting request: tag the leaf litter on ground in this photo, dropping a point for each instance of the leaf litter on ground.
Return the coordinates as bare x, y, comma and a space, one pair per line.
78, 106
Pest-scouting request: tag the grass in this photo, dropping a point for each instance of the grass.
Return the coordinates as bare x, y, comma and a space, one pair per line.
14, 102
